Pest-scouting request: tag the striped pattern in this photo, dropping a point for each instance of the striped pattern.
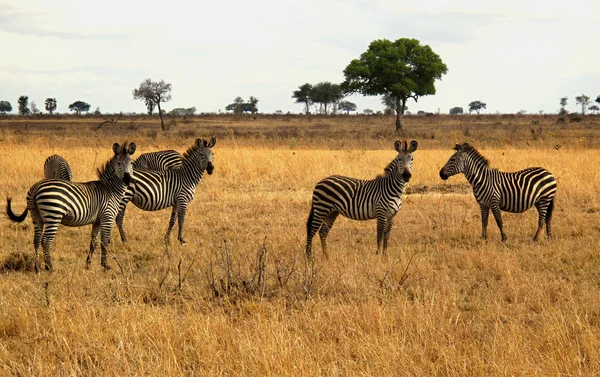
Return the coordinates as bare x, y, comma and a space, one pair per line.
357, 199
500, 191
53, 202
56, 167
154, 190
161, 160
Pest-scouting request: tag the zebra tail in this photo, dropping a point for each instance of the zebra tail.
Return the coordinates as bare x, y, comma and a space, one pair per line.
11, 215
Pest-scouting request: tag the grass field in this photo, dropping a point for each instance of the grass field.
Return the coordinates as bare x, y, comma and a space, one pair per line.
441, 302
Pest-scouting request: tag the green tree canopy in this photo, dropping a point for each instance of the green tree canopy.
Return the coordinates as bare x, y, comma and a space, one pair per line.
477, 106
79, 107
23, 105
50, 105
403, 69
303, 95
326, 93
584, 101
456, 110
153, 93
239, 106
5, 107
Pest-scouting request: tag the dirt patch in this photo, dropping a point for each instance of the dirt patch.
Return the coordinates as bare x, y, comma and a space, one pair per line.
461, 188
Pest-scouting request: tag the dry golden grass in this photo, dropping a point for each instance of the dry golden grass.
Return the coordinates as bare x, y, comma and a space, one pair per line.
461, 306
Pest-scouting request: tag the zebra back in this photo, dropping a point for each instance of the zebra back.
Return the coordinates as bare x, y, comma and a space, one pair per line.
56, 167
161, 160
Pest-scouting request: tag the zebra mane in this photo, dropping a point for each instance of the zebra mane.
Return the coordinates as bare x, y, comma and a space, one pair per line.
474, 153
191, 150
388, 169
106, 171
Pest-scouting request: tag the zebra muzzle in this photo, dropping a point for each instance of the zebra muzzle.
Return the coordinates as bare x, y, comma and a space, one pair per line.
127, 178
210, 168
406, 175
443, 175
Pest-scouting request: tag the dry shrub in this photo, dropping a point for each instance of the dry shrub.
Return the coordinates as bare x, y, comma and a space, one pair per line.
18, 261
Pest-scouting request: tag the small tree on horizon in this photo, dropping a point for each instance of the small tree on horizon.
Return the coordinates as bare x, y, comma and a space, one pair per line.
33, 107
79, 107
456, 110
50, 105
325, 93
402, 69
584, 101
5, 107
303, 95
563, 104
477, 106
23, 105
594, 108
367, 111
347, 106
154, 92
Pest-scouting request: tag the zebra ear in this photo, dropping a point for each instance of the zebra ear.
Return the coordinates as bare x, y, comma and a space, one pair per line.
199, 142
116, 148
413, 146
131, 148
213, 141
457, 147
398, 146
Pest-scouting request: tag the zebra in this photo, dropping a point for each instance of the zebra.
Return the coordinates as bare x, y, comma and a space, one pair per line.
53, 202
501, 191
358, 199
161, 160
154, 190
56, 167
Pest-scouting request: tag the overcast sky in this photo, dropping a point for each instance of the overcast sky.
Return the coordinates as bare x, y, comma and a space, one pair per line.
510, 54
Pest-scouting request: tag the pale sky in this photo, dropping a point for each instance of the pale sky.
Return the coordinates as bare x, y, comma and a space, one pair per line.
512, 55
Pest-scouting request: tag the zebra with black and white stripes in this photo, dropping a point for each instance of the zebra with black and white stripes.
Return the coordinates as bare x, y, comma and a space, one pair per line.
160, 160
56, 167
154, 190
501, 191
53, 202
357, 199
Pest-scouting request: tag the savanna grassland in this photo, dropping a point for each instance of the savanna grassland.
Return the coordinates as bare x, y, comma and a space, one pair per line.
240, 298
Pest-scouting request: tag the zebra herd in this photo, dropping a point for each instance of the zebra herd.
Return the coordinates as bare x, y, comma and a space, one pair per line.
164, 179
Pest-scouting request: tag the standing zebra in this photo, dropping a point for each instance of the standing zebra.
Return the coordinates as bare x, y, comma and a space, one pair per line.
57, 167
500, 191
154, 190
161, 160
358, 199
53, 202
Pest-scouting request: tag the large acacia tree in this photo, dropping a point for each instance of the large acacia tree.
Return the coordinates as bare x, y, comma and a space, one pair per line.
402, 69
153, 92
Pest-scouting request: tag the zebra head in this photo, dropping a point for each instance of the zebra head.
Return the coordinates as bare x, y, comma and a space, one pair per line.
456, 163
207, 158
121, 161
405, 158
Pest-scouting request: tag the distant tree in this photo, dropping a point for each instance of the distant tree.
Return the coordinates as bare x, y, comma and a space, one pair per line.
154, 92
402, 69
303, 95
476, 106
97, 112
584, 101
522, 112
594, 108
250, 106
79, 107
237, 107
23, 105
278, 112
50, 105
326, 93
5, 107
347, 106
563, 104
150, 106
456, 110
421, 112
389, 104
33, 107
179, 111
598, 99
367, 111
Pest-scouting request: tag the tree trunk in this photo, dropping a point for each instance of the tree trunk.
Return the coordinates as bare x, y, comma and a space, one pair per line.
400, 104
162, 123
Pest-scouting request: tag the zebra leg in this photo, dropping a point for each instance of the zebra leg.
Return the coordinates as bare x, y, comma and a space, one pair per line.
47, 238
386, 232
95, 231
129, 193
38, 228
549, 218
171, 225
324, 230
498, 216
106, 228
313, 224
381, 225
181, 210
485, 214
542, 208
